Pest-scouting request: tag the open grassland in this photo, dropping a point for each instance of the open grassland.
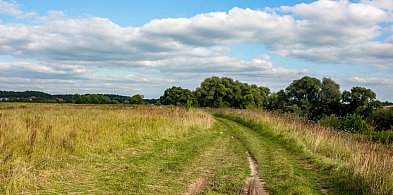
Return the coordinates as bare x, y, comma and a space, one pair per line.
47, 148
123, 149
351, 164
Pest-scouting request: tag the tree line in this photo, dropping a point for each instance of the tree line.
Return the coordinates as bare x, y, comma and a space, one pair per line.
354, 110
41, 97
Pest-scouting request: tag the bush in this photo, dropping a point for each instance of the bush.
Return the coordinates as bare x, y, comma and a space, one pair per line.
352, 123
382, 119
136, 99
385, 137
331, 121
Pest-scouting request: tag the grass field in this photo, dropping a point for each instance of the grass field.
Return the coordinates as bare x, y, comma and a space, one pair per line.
123, 149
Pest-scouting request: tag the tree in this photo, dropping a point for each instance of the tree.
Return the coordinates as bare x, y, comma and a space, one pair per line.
360, 100
216, 92
330, 97
225, 92
382, 119
278, 101
136, 99
305, 93
179, 97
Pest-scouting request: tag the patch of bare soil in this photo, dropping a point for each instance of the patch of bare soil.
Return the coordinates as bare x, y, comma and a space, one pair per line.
254, 185
197, 187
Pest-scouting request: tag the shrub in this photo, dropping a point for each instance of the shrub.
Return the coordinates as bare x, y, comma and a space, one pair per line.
331, 121
352, 123
382, 119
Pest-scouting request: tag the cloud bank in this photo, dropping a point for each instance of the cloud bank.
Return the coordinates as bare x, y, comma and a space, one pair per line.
175, 50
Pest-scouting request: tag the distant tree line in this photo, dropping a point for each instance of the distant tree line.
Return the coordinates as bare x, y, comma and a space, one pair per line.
41, 97
354, 110
24, 95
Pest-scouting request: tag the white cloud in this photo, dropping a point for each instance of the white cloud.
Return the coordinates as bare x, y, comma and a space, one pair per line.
383, 4
371, 81
167, 49
10, 8
380, 67
339, 12
328, 31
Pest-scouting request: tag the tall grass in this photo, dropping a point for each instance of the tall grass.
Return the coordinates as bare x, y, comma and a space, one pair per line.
369, 165
34, 138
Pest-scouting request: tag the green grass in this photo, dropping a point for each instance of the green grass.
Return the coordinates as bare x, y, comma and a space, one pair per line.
284, 165
115, 149
120, 149
155, 167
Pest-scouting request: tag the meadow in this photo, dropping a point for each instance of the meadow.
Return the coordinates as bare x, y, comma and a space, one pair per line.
126, 149
346, 163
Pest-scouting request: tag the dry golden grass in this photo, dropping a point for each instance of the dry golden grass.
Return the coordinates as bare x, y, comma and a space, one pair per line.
42, 136
370, 164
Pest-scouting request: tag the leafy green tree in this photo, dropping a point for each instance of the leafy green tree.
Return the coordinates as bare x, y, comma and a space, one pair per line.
136, 99
103, 99
305, 93
278, 101
382, 119
330, 97
94, 99
115, 102
225, 92
90, 99
360, 100
217, 92
179, 97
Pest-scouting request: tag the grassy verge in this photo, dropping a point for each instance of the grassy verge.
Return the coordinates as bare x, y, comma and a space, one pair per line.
349, 164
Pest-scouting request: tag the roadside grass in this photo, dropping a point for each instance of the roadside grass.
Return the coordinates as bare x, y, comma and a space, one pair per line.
51, 148
351, 164
282, 167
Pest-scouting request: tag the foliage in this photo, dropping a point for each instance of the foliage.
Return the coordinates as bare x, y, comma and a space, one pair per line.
136, 99
179, 97
382, 119
330, 97
352, 123
225, 92
360, 100
331, 121
307, 97
278, 101
24, 94
387, 103
90, 99
385, 137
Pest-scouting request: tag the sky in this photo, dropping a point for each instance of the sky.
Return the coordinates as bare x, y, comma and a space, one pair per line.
129, 47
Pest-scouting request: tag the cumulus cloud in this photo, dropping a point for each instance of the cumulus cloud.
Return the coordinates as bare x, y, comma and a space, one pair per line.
61, 78
327, 31
74, 48
10, 8
383, 4
371, 81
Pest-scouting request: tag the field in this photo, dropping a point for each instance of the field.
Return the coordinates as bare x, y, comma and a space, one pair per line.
124, 149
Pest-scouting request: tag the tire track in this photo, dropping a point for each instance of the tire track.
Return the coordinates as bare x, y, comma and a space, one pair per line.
286, 171
254, 185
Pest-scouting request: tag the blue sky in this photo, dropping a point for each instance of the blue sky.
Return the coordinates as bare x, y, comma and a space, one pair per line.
128, 47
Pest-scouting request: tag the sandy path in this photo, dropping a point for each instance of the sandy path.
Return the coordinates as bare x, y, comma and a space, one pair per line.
254, 185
